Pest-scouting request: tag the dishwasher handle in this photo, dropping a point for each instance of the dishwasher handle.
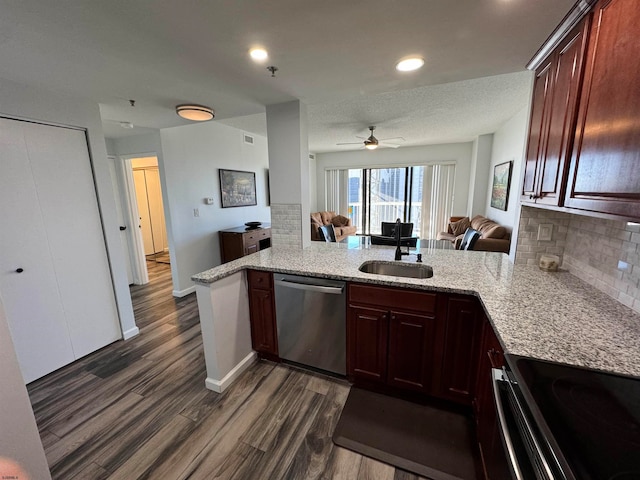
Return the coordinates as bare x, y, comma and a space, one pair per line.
312, 288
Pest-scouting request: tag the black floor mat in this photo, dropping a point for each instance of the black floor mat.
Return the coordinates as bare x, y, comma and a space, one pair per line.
428, 441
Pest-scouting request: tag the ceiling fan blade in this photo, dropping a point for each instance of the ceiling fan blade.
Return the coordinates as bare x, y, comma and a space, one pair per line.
350, 143
390, 145
402, 139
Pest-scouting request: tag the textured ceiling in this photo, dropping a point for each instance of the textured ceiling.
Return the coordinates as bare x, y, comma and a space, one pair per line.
337, 57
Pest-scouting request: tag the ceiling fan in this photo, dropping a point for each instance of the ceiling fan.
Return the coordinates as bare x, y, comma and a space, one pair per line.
371, 143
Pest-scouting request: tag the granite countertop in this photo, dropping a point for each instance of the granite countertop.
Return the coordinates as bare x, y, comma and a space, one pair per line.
550, 316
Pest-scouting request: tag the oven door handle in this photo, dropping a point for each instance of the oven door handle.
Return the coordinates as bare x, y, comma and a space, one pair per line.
502, 421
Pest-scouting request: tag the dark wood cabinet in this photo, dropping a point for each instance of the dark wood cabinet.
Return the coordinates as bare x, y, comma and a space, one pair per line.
555, 92
240, 241
604, 174
459, 336
367, 335
390, 337
264, 333
492, 453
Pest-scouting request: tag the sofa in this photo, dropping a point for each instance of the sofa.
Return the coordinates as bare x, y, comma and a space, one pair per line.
493, 237
341, 225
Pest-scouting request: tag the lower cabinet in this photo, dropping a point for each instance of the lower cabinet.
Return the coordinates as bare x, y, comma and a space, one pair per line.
459, 336
492, 453
390, 337
264, 336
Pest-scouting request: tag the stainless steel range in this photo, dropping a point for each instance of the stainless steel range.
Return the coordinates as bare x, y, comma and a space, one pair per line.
566, 422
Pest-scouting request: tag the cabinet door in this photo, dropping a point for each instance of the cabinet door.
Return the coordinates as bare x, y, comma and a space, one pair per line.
264, 331
537, 130
491, 450
461, 335
411, 340
567, 74
367, 337
604, 174
263, 328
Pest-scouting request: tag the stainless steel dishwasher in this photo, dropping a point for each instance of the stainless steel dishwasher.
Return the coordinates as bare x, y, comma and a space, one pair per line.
310, 313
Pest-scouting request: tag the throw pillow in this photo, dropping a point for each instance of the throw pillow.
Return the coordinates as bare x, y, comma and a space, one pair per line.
340, 221
459, 227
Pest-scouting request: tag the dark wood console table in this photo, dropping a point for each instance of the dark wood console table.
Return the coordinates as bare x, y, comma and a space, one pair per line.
240, 241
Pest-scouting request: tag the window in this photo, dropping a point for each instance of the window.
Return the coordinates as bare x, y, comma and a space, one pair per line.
379, 195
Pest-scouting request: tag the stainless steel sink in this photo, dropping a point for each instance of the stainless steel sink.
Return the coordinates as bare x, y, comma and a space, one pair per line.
397, 269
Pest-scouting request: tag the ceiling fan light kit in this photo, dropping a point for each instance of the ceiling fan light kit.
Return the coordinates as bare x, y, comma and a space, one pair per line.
258, 54
371, 143
195, 113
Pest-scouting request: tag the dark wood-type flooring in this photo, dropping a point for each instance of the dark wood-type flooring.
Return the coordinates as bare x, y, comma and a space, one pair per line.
139, 409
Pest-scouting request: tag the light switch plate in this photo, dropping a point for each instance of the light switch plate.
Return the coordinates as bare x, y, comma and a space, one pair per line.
545, 230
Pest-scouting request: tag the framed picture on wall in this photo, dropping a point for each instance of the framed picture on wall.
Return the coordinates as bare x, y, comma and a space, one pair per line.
501, 184
237, 188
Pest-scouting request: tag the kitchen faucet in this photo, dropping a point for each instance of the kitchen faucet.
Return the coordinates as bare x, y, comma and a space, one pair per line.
398, 234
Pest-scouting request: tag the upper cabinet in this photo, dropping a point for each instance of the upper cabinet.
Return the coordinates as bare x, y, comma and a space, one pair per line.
551, 128
583, 152
604, 175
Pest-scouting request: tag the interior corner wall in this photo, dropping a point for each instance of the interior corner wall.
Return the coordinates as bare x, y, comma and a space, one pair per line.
480, 169
191, 158
508, 144
313, 186
19, 437
459, 153
21, 101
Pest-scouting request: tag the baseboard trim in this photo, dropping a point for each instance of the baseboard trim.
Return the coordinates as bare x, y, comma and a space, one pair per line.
132, 332
185, 292
221, 385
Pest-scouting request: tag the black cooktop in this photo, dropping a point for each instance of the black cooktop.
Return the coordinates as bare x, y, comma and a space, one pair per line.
590, 419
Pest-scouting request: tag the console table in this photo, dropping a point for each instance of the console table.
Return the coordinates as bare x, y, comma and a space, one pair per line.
240, 241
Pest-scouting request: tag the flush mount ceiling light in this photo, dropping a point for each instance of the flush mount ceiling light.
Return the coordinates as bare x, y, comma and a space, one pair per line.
258, 54
410, 64
196, 113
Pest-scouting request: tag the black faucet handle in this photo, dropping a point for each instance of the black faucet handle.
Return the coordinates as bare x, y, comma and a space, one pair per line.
419, 258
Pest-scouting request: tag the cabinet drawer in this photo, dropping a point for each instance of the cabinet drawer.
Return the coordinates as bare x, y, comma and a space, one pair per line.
393, 298
258, 279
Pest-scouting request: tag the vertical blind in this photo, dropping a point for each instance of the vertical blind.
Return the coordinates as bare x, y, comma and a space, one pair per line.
335, 194
437, 205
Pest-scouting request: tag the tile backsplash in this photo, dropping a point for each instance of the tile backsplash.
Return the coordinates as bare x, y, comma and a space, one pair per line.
286, 221
604, 253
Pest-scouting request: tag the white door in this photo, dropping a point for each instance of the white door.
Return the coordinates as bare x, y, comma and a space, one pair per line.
143, 210
31, 298
113, 170
50, 207
156, 211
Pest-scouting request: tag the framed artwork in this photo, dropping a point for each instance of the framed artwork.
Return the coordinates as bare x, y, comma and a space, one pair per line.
501, 184
237, 188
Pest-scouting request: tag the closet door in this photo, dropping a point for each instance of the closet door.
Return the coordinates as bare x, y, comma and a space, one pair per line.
31, 298
54, 164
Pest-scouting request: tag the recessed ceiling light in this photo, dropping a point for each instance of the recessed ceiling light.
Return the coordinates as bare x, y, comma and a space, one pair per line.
258, 54
410, 64
196, 113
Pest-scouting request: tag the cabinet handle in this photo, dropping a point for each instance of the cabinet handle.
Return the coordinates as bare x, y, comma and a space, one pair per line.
19, 270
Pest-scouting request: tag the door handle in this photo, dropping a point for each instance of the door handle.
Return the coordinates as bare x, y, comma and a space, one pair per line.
122, 228
19, 270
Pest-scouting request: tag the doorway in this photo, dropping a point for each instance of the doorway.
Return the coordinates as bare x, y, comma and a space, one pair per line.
148, 191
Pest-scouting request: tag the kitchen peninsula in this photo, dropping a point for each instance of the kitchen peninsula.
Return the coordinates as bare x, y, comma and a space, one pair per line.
549, 316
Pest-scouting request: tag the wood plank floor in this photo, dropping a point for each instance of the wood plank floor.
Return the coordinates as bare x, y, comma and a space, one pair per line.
139, 410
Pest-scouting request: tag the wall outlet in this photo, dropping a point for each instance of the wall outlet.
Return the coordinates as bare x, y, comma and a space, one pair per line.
208, 201
545, 231
196, 212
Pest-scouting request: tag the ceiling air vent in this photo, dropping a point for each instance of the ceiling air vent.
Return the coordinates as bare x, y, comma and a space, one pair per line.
248, 139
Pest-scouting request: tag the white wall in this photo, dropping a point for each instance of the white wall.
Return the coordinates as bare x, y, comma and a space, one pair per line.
313, 186
460, 153
191, 157
480, 170
508, 144
19, 437
20, 101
